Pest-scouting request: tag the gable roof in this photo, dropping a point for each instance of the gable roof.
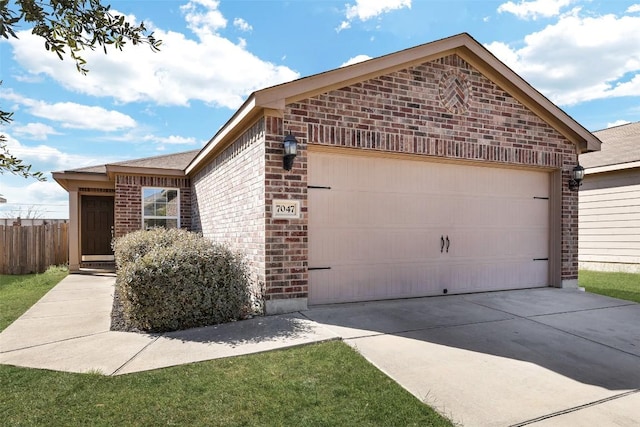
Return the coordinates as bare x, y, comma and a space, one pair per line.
620, 148
463, 45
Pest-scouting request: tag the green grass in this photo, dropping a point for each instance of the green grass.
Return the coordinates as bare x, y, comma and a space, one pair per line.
326, 384
617, 285
18, 293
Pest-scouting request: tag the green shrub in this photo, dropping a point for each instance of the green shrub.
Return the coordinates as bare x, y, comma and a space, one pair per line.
172, 279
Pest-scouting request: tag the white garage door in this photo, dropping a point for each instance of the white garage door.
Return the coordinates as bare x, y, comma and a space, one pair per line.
383, 228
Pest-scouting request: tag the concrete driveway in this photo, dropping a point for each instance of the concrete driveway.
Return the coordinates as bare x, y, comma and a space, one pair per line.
542, 357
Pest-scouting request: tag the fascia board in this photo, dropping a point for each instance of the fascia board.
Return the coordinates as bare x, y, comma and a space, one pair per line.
278, 96
247, 110
478, 56
612, 168
71, 180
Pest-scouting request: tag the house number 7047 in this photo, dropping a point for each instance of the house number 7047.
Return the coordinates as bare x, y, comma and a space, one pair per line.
286, 209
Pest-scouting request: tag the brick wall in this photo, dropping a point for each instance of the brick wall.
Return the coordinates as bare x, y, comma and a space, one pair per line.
444, 108
286, 240
228, 198
128, 200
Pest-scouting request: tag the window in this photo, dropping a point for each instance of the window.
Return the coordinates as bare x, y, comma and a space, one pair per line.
161, 207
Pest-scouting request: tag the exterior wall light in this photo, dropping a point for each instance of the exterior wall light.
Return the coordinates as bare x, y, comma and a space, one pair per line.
290, 145
577, 175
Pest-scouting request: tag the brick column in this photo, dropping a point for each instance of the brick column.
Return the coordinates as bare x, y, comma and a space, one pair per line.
286, 239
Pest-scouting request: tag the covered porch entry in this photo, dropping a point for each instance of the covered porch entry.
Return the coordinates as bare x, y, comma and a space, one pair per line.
96, 232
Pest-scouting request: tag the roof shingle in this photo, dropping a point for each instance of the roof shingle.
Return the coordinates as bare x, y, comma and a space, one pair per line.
176, 161
620, 144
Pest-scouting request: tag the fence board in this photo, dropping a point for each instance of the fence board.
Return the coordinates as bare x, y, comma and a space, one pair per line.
33, 248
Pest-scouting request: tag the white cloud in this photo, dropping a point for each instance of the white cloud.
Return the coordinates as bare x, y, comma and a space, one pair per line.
45, 158
77, 116
578, 58
209, 68
73, 115
617, 123
161, 143
355, 60
203, 17
364, 10
633, 8
242, 25
47, 200
174, 140
535, 8
37, 131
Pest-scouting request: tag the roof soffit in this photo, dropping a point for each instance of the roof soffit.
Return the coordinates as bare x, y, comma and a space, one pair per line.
70, 180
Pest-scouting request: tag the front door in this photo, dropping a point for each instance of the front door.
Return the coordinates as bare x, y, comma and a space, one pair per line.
97, 228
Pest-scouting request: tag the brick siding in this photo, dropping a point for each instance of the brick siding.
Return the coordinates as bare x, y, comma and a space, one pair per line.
228, 199
128, 200
441, 109
286, 240
445, 109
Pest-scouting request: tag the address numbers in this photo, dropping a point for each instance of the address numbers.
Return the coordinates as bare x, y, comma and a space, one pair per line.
286, 209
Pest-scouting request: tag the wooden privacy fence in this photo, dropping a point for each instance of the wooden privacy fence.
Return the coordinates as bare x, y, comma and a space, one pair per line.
33, 248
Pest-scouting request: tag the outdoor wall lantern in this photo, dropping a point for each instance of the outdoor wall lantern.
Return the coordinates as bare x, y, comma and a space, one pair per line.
576, 178
290, 145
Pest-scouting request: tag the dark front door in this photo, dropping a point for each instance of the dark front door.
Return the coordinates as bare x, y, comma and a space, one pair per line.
96, 227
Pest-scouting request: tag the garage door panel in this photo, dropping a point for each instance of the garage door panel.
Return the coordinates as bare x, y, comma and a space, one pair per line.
378, 230
353, 246
375, 282
496, 241
491, 211
490, 276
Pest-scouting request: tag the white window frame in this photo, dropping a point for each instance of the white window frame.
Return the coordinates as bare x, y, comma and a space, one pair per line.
166, 217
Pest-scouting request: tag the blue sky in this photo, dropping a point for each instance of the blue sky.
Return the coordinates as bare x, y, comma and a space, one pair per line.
582, 54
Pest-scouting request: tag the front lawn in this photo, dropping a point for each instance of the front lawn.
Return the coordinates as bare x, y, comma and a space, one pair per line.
324, 384
617, 285
18, 293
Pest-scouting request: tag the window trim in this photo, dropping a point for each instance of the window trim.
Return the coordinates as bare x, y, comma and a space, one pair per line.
144, 217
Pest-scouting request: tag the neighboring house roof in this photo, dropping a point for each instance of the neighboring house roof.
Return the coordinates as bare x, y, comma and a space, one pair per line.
277, 97
620, 149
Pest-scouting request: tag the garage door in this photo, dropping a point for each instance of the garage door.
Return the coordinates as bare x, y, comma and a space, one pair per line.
383, 228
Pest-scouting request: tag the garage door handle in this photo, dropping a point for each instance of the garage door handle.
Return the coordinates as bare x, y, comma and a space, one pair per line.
441, 243
447, 244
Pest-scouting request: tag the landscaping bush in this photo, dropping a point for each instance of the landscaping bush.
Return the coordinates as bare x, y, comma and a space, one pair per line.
172, 279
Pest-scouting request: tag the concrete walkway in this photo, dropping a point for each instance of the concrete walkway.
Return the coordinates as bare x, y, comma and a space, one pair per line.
540, 357
68, 330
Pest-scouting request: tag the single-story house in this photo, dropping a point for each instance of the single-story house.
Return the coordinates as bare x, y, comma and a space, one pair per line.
609, 207
432, 170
